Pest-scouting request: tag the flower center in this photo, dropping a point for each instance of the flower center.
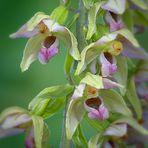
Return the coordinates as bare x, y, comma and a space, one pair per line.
93, 102
116, 48
49, 41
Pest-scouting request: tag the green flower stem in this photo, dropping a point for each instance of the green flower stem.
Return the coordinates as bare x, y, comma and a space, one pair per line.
81, 21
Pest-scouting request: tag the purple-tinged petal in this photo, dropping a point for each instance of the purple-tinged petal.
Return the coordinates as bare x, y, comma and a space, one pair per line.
109, 66
78, 91
10, 132
141, 76
115, 6
15, 121
93, 67
23, 32
29, 142
108, 84
117, 130
142, 90
107, 38
114, 25
132, 51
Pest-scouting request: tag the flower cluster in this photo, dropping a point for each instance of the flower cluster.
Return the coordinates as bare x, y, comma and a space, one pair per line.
107, 80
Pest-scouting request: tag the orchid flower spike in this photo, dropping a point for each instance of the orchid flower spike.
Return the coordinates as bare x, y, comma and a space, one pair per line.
96, 109
44, 34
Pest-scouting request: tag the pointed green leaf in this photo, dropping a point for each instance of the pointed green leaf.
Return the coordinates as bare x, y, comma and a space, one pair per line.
122, 73
141, 4
53, 107
133, 98
88, 3
93, 80
92, 16
74, 116
31, 51
50, 100
114, 102
59, 14
52, 93
35, 20
38, 125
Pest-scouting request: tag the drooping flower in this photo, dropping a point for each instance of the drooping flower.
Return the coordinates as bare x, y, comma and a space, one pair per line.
96, 109
44, 34
119, 42
15, 120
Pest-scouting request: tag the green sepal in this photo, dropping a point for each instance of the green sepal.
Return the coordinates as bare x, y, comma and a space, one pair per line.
114, 102
59, 14
131, 95
75, 114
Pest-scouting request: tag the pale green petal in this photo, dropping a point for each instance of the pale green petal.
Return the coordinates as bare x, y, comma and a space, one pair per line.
31, 51
35, 20
74, 116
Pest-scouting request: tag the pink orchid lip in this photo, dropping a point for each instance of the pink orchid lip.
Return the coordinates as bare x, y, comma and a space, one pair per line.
96, 109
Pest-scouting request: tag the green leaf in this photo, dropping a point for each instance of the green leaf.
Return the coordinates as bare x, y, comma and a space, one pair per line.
69, 39
122, 73
74, 116
35, 20
68, 64
93, 80
12, 110
92, 16
114, 102
133, 98
88, 54
133, 123
52, 93
141, 4
38, 125
40, 108
53, 107
79, 138
59, 14
128, 35
31, 51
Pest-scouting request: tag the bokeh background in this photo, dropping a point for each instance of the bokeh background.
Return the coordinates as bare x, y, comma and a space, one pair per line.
17, 88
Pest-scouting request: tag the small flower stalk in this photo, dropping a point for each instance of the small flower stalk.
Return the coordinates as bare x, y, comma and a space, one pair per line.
106, 79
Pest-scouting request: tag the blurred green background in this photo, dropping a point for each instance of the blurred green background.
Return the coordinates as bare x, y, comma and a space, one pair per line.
16, 88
